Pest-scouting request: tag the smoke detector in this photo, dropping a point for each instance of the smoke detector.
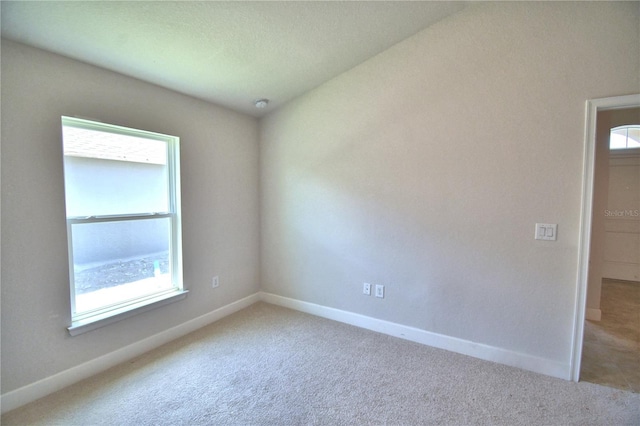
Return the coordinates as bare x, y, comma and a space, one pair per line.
262, 103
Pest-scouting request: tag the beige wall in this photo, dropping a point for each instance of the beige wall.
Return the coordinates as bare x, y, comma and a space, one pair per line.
219, 153
426, 168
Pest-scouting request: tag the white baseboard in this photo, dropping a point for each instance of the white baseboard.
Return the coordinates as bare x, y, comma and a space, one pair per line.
44, 387
29, 393
465, 347
593, 314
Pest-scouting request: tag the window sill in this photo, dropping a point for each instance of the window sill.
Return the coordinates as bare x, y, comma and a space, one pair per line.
91, 323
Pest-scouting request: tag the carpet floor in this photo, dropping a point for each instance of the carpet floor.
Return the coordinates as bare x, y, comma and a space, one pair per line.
267, 365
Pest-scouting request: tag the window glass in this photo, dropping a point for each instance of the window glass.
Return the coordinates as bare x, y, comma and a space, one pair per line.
130, 260
633, 140
107, 173
624, 137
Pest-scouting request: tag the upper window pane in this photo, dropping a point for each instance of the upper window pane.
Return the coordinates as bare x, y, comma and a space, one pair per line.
114, 174
634, 137
624, 137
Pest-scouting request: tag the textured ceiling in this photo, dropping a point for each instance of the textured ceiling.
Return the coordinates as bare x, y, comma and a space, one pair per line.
229, 53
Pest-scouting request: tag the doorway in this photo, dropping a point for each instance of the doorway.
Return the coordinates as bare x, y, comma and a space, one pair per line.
610, 353
591, 219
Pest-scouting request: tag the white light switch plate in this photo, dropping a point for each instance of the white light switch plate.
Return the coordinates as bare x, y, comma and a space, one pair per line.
547, 231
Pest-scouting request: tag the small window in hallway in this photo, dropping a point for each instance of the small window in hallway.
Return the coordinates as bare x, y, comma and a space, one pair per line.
625, 137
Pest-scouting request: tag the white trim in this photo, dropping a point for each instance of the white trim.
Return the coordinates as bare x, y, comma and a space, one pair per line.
592, 108
594, 314
118, 314
453, 344
24, 395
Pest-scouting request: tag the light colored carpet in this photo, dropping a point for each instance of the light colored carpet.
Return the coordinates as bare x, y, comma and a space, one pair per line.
268, 365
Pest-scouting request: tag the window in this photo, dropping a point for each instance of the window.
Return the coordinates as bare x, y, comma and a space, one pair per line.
122, 197
625, 137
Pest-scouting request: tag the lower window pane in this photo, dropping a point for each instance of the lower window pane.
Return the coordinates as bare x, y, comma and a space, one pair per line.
115, 262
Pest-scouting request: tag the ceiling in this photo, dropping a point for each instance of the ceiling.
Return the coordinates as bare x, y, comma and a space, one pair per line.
229, 53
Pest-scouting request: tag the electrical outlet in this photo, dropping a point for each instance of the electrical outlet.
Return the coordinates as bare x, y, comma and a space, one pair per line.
379, 291
215, 282
366, 289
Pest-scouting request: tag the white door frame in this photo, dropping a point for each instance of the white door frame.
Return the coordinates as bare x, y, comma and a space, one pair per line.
593, 106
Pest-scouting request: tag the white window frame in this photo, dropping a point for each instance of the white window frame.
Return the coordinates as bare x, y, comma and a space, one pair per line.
90, 320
